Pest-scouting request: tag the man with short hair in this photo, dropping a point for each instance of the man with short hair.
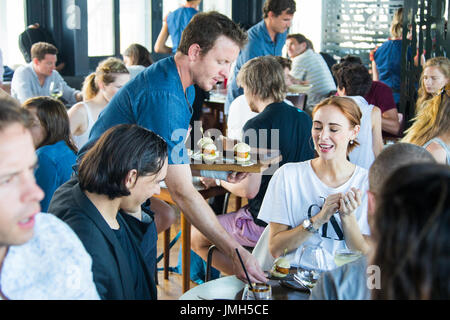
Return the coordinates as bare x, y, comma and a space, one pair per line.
160, 99
265, 38
40, 256
310, 67
240, 111
34, 79
276, 126
349, 282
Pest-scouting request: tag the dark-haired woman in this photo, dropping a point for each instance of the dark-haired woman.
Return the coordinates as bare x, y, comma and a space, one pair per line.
137, 58
104, 206
55, 149
411, 230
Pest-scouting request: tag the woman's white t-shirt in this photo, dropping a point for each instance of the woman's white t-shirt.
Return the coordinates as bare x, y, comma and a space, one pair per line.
295, 193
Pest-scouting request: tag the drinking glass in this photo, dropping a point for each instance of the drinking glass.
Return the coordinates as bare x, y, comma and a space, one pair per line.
343, 256
56, 89
311, 264
262, 291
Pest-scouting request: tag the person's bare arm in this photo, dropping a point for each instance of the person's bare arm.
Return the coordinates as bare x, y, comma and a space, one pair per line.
375, 75
160, 44
437, 152
77, 119
282, 238
247, 188
389, 121
200, 214
354, 239
377, 138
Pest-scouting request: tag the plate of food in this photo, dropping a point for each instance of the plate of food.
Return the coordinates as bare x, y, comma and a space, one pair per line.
239, 157
299, 88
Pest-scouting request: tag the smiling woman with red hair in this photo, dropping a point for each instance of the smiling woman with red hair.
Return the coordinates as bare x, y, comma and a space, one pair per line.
321, 200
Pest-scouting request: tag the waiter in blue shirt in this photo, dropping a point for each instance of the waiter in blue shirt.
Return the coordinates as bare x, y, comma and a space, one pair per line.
160, 99
265, 38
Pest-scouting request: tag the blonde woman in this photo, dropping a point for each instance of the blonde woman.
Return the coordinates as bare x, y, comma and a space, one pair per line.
431, 127
435, 75
98, 89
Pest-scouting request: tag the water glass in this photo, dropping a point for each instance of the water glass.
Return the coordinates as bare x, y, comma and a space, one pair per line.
311, 264
260, 291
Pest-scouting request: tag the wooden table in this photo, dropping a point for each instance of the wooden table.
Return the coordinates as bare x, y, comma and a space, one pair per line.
186, 232
231, 288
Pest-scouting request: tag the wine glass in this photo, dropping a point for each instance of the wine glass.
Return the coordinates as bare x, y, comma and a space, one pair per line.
311, 263
343, 256
56, 89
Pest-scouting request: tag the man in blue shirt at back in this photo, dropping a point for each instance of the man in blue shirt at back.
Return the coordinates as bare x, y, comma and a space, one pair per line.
265, 38
160, 99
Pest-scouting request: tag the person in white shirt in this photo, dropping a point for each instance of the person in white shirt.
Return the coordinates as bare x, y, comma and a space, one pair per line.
34, 79
310, 67
354, 81
40, 256
321, 201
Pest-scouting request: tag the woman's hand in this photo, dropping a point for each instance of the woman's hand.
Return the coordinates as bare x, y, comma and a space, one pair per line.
331, 205
349, 202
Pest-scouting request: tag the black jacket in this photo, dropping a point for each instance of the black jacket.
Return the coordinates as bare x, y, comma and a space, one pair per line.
112, 273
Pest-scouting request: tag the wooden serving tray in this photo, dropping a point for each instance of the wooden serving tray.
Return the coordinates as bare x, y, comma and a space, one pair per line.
260, 160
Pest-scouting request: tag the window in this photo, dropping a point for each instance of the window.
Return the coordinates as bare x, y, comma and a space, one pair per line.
100, 28
307, 21
135, 23
12, 24
224, 7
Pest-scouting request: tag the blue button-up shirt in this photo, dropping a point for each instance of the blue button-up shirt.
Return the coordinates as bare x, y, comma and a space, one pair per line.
259, 44
25, 84
154, 99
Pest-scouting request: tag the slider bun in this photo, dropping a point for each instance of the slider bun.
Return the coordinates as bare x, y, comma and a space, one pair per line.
209, 147
242, 147
203, 141
209, 151
281, 267
242, 152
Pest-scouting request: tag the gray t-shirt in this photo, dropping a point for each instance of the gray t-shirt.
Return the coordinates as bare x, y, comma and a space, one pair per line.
348, 282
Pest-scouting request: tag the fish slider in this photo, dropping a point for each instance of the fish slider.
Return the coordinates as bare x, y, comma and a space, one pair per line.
242, 152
